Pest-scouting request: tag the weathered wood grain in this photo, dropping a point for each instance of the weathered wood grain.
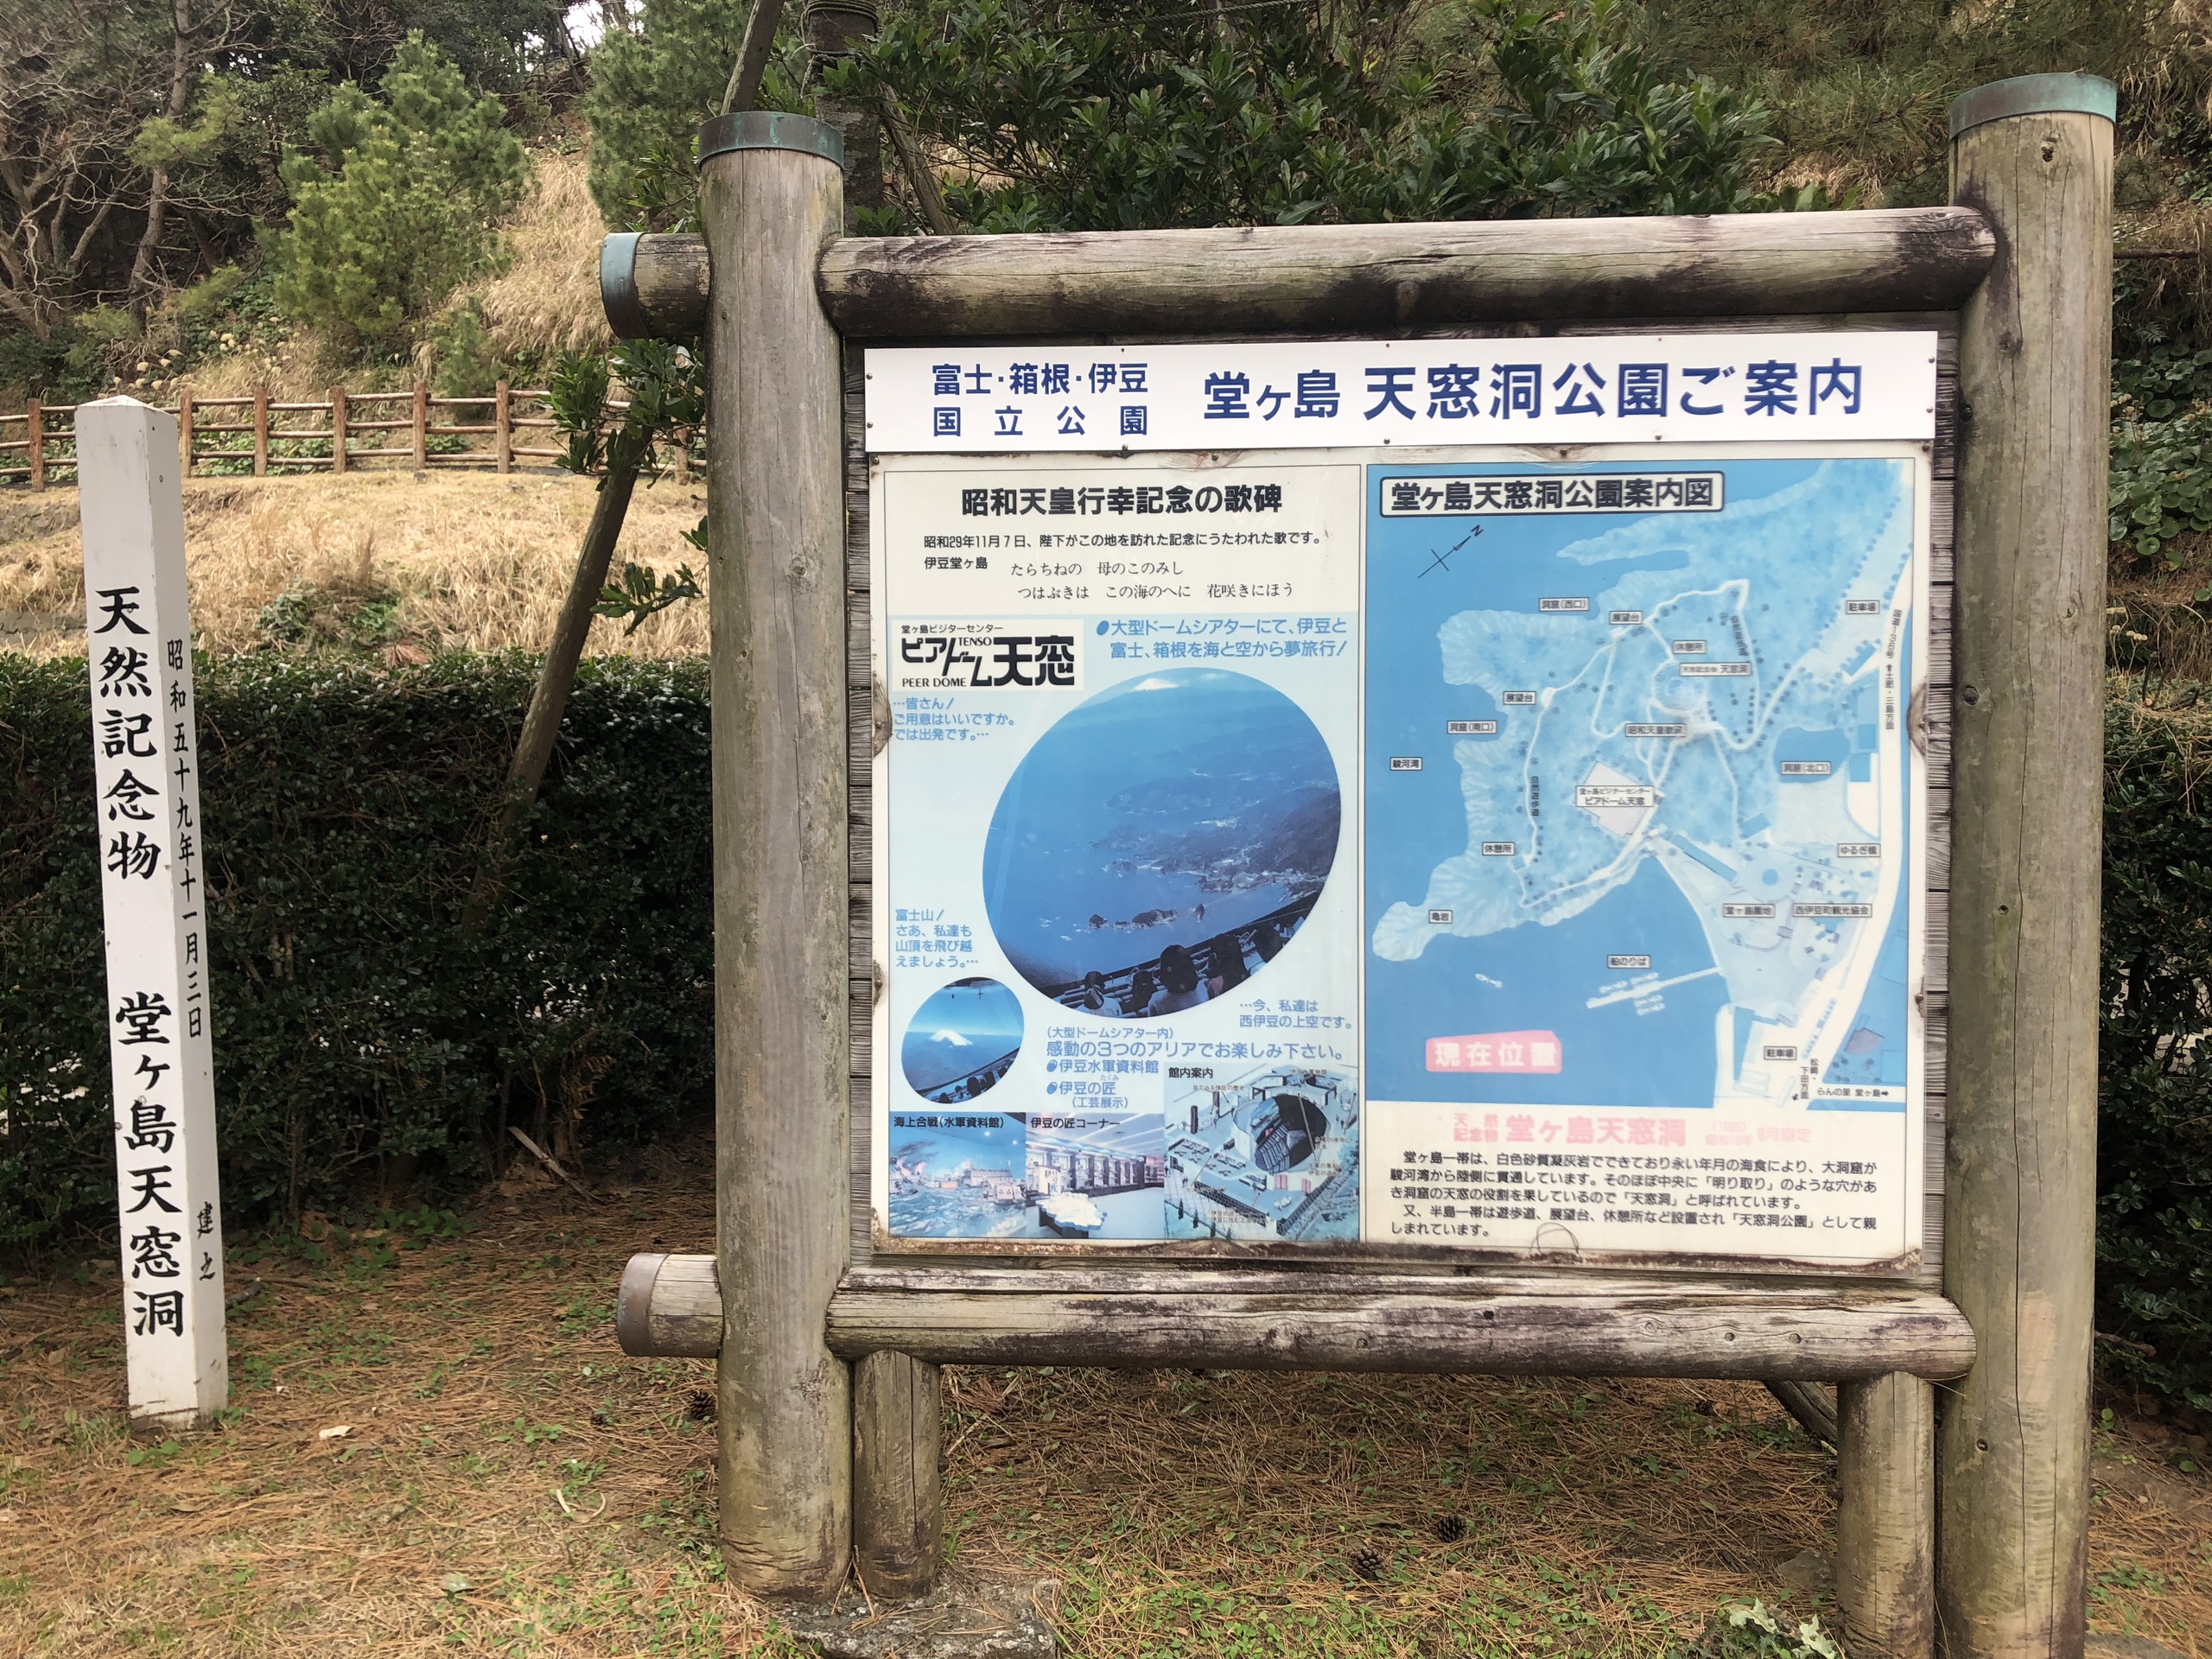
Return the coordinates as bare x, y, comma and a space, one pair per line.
1523, 1323
1885, 1528
2019, 1256
776, 547
1277, 279
1352, 278
1386, 1325
670, 1305
898, 1504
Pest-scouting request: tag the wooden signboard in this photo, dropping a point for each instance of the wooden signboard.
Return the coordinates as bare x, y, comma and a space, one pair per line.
1458, 798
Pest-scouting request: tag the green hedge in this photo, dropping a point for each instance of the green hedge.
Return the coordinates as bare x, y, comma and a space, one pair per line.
2154, 1135
364, 1037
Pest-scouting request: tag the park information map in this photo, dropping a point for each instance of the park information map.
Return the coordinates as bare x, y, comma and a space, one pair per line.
1388, 793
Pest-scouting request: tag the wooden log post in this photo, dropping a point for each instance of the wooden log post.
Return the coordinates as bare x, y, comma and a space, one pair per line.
2034, 157
1885, 1530
770, 195
421, 427
338, 431
898, 1504
261, 431
34, 430
502, 434
184, 431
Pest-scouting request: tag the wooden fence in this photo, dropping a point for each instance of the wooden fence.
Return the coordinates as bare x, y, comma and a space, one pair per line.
260, 435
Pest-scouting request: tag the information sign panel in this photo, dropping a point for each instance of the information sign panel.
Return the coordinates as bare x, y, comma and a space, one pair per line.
1471, 845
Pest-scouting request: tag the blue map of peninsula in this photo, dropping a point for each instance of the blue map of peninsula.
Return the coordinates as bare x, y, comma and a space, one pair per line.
1641, 779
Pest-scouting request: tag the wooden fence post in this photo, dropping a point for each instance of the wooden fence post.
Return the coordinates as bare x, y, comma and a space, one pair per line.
338, 422
503, 437
421, 427
770, 195
34, 429
184, 430
1886, 1531
261, 431
2034, 154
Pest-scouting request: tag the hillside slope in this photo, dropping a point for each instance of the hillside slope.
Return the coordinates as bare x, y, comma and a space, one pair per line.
371, 563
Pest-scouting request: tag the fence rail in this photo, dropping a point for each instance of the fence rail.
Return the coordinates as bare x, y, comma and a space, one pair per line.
261, 435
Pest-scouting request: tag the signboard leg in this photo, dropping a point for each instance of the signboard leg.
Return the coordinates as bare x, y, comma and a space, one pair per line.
145, 766
2035, 157
1885, 1533
770, 195
897, 1506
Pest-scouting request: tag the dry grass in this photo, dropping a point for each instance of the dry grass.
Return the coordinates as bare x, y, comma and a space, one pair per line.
547, 299
511, 1484
475, 559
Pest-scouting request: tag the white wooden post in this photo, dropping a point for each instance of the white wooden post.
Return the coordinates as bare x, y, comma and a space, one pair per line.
145, 770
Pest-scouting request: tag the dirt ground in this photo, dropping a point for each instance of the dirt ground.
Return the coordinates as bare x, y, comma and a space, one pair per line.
435, 1447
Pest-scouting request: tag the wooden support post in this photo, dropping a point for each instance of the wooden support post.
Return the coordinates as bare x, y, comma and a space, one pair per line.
503, 436
261, 431
897, 1506
338, 431
184, 430
2034, 156
34, 430
421, 427
1886, 1533
770, 195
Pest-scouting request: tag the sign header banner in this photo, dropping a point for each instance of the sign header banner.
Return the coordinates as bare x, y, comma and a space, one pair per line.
1673, 389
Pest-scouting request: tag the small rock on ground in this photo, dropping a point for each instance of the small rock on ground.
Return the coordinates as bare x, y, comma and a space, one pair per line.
962, 1619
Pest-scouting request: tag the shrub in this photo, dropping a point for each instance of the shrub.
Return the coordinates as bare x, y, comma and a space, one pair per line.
2154, 1143
1080, 115
362, 1030
399, 208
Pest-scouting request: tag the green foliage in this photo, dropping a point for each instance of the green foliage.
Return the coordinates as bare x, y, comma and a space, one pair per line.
397, 206
1091, 114
652, 83
357, 1021
1748, 1630
468, 361
637, 598
2154, 1137
667, 391
1862, 87
2161, 489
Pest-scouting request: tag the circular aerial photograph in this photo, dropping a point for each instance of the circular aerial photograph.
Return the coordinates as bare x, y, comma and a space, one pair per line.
961, 1041
1161, 842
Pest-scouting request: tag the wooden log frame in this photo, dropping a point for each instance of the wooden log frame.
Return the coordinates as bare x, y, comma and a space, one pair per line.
1285, 1319
2033, 210
1345, 278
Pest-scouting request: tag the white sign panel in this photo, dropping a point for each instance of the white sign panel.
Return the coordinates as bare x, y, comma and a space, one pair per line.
145, 766
1460, 849
1673, 389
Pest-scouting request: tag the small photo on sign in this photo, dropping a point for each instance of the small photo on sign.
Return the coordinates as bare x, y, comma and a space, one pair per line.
961, 1041
1263, 1153
1093, 1174
956, 1173
1161, 842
